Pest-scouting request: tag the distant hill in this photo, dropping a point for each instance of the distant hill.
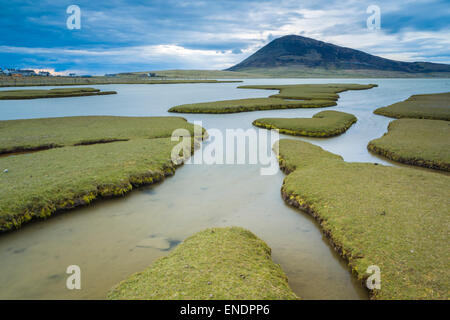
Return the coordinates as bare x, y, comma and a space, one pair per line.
295, 55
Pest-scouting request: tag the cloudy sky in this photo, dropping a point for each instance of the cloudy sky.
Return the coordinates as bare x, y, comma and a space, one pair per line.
120, 36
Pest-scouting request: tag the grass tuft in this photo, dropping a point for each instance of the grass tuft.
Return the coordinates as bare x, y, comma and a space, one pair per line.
418, 142
51, 93
215, 264
36, 134
322, 124
422, 106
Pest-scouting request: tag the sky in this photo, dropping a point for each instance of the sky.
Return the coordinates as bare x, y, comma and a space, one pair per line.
136, 35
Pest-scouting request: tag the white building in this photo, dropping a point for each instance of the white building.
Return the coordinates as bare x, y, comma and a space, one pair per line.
24, 73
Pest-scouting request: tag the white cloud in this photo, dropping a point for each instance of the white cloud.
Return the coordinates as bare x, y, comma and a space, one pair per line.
191, 58
51, 70
245, 27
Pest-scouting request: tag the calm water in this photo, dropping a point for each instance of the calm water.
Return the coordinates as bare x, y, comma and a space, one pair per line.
113, 239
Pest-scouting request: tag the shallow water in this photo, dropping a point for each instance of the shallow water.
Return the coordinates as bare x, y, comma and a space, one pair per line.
115, 238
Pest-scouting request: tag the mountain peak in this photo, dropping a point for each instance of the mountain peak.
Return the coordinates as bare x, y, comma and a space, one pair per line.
296, 51
295, 37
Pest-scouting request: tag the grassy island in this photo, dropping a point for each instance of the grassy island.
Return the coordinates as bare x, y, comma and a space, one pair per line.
311, 91
422, 106
36, 185
323, 124
51, 93
290, 96
394, 218
46, 133
419, 142
252, 104
218, 263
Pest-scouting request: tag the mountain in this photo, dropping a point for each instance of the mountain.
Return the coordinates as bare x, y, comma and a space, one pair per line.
296, 54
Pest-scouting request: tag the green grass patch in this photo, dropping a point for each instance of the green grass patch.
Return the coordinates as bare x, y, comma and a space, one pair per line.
311, 91
290, 96
51, 93
395, 218
323, 124
252, 104
218, 263
35, 134
419, 142
7, 81
423, 106
38, 184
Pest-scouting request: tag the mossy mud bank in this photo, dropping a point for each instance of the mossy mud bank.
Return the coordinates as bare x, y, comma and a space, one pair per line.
311, 91
46, 133
246, 105
422, 106
51, 93
418, 142
39, 184
289, 96
214, 264
32, 212
322, 124
373, 215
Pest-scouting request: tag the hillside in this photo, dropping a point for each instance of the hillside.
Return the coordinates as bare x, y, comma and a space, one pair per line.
300, 56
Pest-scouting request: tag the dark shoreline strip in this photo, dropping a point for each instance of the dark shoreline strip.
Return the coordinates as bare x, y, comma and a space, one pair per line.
68, 95
25, 150
429, 164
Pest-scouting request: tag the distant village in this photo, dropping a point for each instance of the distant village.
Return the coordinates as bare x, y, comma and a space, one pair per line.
31, 73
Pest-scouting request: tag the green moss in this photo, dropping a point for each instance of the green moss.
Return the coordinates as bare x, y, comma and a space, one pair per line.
311, 91
244, 105
308, 96
395, 218
51, 93
41, 183
288, 155
419, 142
36, 134
322, 124
218, 263
423, 106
